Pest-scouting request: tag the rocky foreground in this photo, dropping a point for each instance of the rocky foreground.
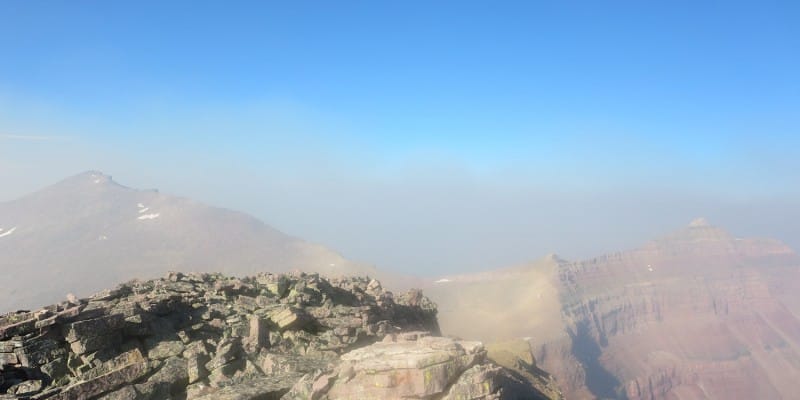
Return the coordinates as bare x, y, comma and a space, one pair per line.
208, 336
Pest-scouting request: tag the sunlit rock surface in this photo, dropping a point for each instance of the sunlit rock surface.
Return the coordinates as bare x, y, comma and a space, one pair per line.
271, 336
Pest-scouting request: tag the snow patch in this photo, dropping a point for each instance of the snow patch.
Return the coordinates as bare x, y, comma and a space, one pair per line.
149, 216
143, 210
649, 268
443, 280
102, 237
8, 232
140, 205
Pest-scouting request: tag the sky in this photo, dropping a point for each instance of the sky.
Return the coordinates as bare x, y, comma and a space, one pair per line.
427, 137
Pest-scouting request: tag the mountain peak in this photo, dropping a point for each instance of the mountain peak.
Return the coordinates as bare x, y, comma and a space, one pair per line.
700, 223
699, 230
94, 176
555, 258
87, 179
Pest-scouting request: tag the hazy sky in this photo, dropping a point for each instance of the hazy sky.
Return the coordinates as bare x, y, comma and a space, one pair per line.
427, 136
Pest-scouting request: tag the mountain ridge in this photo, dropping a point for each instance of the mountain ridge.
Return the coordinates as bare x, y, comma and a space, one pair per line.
92, 231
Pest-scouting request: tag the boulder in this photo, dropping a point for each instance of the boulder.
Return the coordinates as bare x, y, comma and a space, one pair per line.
172, 377
289, 318
166, 349
26, 387
93, 327
477, 383
421, 368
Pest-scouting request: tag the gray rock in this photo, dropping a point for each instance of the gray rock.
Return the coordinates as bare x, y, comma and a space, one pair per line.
258, 389
478, 382
259, 334
8, 359
26, 387
196, 359
125, 393
38, 350
228, 349
173, 375
88, 344
93, 327
289, 318
104, 383
166, 349
311, 386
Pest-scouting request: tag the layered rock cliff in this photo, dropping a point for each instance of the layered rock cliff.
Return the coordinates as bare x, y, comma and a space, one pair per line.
208, 336
697, 314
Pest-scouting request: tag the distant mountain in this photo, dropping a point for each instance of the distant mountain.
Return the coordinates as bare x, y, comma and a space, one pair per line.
697, 314
88, 232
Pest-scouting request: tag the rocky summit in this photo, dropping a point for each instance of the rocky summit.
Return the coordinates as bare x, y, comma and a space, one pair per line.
270, 336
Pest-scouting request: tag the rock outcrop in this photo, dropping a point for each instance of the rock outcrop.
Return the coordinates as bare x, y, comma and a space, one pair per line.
208, 336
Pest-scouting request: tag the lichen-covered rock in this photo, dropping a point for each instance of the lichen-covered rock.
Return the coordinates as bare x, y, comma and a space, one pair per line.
266, 388
126, 393
419, 368
26, 387
172, 377
103, 383
311, 386
477, 383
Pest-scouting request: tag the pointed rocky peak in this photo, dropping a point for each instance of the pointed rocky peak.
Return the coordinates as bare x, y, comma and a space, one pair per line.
81, 190
698, 230
94, 177
87, 180
554, 258
700, 223
701, 228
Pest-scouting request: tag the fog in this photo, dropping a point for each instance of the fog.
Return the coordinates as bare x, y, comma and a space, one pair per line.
426, 214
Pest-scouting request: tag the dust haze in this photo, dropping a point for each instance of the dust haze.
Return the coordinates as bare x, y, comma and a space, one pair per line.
420, 214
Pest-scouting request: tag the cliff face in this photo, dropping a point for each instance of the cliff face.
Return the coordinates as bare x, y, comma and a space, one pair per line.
698, 314
208, 336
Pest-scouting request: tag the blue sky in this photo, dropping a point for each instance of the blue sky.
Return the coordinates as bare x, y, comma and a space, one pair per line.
463, 107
